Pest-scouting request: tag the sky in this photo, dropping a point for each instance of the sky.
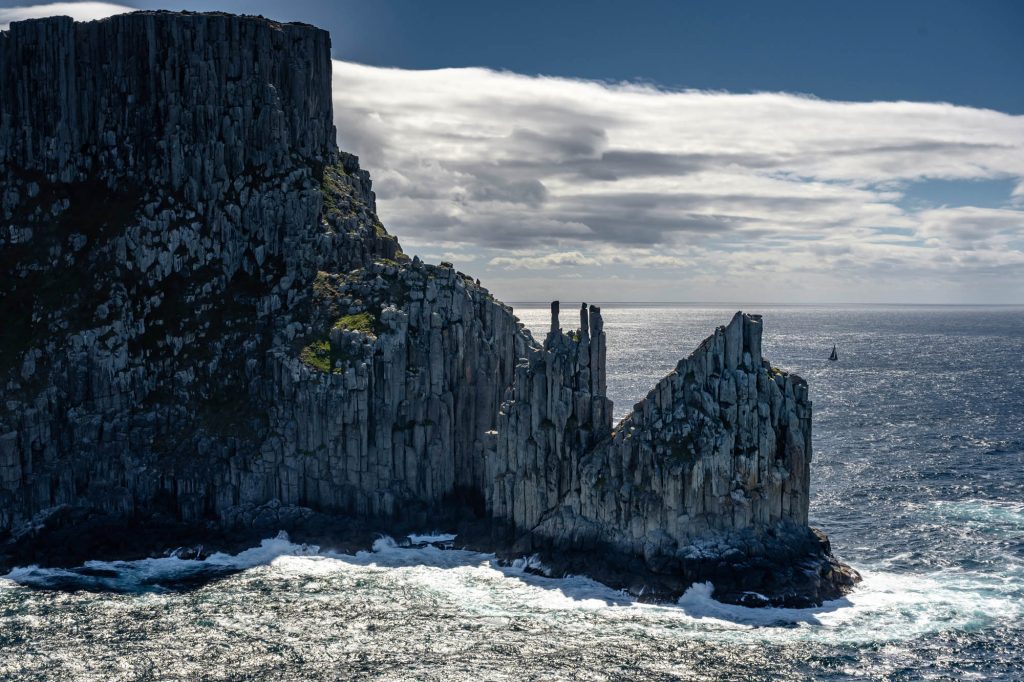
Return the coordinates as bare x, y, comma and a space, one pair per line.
790, 152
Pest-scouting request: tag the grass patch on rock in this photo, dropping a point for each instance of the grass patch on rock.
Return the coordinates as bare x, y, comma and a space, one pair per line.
320, 355
317, 355
360, 322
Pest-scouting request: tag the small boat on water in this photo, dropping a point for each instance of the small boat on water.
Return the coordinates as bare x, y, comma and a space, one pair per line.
834, 356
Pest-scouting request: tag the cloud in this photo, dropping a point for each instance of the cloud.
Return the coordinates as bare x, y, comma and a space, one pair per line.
79, 11
1017, 195
539, 173
603, 257
551, 260
967, 226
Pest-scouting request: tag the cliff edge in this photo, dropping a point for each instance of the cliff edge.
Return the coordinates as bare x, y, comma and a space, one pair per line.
207, 329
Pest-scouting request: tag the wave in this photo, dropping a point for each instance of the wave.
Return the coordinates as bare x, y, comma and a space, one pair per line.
991, 515
432, 538
887, 606
156, 574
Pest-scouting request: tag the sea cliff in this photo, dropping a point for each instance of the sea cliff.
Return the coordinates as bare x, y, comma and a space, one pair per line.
207, 328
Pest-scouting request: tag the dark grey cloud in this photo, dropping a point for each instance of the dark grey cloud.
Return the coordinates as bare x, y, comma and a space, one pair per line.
491, 187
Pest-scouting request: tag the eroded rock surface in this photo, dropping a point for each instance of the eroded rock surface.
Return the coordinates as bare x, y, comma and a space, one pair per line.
206, 325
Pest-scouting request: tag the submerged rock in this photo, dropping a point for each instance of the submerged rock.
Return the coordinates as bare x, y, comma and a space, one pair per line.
206, 326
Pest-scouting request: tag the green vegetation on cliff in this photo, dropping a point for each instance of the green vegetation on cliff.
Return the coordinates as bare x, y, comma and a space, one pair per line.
361, 322
341, 204
323, 356
317, 355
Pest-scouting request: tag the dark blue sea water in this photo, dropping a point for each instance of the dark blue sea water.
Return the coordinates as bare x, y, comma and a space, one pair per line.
918, 479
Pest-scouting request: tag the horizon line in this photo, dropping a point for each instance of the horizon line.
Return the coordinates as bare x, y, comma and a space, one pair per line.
771, 304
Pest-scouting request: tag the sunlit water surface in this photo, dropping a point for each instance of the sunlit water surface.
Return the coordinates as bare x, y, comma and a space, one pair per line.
918, 479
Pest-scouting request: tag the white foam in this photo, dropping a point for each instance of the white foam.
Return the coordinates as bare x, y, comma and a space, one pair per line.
432, 538
989, 515
383, 544
131, 575
531, 563
886, 607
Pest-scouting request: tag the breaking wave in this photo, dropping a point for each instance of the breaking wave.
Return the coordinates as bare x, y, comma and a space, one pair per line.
886, 607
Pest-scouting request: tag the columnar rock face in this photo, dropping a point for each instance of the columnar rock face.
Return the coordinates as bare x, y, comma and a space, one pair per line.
203, 318
556, 411
719, 447
171, 187
402, 408
192, 102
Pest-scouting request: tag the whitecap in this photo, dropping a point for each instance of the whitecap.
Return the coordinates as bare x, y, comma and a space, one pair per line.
886, 607
156, 573
987, 515
432, 538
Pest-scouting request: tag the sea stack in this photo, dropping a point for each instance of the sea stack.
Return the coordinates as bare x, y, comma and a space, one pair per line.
204, 321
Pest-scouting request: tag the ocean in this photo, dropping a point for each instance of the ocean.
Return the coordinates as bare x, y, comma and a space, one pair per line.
918, 478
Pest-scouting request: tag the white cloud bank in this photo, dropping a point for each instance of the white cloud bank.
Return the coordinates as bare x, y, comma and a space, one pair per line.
686, 195
79, 11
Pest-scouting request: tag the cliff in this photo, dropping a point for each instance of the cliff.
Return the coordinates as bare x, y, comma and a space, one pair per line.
205, 323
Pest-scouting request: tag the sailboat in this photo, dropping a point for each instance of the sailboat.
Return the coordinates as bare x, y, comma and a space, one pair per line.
834, 355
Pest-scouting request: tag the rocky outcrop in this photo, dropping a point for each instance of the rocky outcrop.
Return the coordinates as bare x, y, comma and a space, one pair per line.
708, 477
555, 412
206, 324
720, 445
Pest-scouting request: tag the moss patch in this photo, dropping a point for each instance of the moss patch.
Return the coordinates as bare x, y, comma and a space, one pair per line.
360, 322
326, 286
322, 356
335, 187
317, 355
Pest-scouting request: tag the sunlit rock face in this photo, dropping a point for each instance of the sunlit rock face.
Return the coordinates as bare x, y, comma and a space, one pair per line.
204, 320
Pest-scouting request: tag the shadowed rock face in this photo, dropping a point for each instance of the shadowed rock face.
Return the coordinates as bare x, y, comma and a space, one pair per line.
206, 324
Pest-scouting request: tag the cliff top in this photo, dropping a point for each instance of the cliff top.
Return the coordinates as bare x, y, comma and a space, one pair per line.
151, 94
173, 14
